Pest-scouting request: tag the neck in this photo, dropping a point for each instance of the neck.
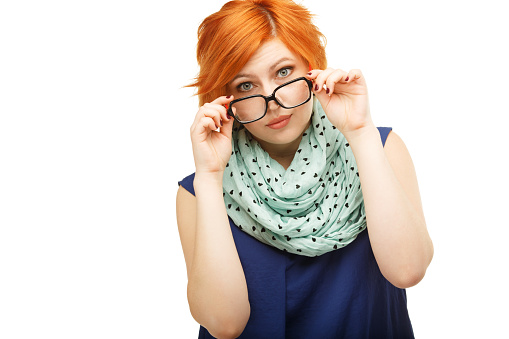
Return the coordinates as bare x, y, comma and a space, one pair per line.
282, 153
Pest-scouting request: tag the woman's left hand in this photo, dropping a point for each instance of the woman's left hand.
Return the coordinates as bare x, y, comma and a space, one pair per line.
344, 98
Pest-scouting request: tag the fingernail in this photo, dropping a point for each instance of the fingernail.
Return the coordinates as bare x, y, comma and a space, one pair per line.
310, 73
346, 79
228, 97
327, 91
316, 87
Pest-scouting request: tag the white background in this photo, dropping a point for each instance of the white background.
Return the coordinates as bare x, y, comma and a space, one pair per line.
94, 135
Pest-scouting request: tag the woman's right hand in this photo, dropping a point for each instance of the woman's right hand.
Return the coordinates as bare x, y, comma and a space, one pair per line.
212, 149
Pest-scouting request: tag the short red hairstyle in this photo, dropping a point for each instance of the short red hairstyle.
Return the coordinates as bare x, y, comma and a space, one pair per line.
228, 38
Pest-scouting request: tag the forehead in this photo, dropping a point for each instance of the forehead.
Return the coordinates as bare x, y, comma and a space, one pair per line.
267, 54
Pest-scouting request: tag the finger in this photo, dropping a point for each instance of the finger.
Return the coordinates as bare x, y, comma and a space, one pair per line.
323, 98
210, 124
227, 127
202, 129
335, 77
205, 111
353, 75
214, 114
224, 102
214, 111
321, 78
218, 104
312, 74
204, 126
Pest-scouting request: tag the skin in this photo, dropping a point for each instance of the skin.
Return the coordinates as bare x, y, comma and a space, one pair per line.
217, 291
270, 66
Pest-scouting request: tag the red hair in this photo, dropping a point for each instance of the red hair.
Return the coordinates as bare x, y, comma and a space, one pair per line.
228, 38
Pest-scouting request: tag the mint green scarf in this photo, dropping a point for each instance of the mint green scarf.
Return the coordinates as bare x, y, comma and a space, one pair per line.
314, 207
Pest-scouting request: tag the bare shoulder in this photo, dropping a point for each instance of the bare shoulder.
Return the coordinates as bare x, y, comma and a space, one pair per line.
397, 152
186, 222
401, 162
185, 200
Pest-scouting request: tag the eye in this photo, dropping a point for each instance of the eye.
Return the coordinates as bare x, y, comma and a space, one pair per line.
245, 86
284, 72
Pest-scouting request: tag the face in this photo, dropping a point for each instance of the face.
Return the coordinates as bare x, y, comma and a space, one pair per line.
272, 65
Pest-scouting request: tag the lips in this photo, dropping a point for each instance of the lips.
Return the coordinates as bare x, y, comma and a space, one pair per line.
278, 119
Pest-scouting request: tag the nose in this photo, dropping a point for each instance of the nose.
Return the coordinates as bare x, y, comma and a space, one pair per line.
273, 105
268, 89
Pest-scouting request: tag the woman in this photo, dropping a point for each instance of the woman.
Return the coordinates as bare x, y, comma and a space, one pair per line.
279, 238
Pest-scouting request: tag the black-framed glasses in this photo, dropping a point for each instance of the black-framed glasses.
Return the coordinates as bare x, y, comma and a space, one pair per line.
292, 94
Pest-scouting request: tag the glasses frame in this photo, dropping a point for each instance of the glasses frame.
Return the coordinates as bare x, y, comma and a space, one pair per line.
269, 99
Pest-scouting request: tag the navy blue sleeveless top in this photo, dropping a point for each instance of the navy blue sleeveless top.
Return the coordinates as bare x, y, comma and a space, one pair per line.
340, 294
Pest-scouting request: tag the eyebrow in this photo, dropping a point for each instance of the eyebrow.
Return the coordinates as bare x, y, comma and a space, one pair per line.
241, 75
280, 61
250, 76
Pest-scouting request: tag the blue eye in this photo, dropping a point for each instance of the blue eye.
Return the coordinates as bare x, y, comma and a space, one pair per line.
245, 86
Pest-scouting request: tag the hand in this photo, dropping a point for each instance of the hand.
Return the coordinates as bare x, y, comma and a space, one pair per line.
345, 99
211, 148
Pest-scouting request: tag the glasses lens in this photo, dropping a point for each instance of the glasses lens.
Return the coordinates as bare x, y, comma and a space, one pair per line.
293, 94
249, 109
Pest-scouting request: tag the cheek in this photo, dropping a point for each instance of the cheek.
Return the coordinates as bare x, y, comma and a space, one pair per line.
255, 128
307, 110
301, 115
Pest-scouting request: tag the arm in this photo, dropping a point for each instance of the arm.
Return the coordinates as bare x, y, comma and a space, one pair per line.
216, 289
395, 219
